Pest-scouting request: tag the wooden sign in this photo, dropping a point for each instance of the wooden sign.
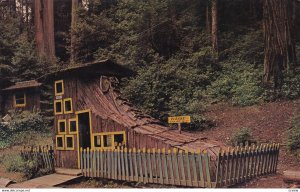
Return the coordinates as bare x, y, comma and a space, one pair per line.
179, 119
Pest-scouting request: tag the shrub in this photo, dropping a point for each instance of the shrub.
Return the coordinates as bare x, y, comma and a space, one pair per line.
293, 141
28, 121
242, 136
23, 127
30, 168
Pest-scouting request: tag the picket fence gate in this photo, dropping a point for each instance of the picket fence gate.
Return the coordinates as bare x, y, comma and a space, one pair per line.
181, 168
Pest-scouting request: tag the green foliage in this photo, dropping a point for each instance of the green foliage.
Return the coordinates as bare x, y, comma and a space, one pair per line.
30, 168
293, 141
242, 136
21, 128
240, 85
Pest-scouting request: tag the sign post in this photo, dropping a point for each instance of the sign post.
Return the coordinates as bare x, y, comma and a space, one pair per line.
179, 120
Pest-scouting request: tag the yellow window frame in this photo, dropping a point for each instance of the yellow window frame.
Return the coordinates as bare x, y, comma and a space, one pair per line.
58, 126
63, 142
65, 111
20, 105
66, 144
62, 85
73, 120
112, 141
61, 104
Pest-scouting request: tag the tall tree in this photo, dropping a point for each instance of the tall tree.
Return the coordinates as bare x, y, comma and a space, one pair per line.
44, 28
75, 4
278, 27
214, 25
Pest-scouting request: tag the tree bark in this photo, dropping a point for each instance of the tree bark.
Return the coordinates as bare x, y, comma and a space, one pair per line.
44, 28
75, 4
208, 18
39, 31
214, 25
279, 40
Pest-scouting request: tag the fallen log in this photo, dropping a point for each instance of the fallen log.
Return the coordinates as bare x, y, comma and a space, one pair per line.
291, 176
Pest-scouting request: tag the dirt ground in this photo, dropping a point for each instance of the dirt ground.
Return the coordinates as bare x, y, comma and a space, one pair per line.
269, 122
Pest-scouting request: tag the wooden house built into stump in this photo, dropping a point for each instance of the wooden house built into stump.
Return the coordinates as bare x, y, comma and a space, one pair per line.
21, 96
90, 113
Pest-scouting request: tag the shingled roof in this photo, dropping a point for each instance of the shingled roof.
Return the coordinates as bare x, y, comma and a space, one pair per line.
23, 85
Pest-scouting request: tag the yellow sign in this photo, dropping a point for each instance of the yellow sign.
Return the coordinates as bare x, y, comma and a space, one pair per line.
179, 119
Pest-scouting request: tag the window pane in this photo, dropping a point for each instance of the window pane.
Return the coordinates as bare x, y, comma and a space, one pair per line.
73, 126
59, 142
68, 106
59, 87
69, 142
62, 126
58, 107
97, 141
107, 140
20, 98
119, 139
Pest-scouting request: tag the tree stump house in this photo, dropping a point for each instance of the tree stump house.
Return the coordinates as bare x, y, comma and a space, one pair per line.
89, 112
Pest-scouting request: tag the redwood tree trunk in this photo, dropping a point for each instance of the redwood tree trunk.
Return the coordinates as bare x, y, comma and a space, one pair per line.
279, 39
39, 31
214, 25
73, 23
208, 18
44, 28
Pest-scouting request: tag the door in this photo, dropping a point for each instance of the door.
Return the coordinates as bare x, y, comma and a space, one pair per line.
84, 128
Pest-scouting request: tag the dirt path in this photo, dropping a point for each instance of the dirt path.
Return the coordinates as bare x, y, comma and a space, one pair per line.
268, 123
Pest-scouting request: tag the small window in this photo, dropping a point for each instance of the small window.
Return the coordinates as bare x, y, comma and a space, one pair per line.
72, 126
107, 139
20, 100
69, 142
68, 106
97, 141
119, 139
60, 142
59, 87
61, 126
58, 107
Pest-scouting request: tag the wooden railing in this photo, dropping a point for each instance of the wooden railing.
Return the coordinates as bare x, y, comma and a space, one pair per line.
241, 164
180, 168
43, 155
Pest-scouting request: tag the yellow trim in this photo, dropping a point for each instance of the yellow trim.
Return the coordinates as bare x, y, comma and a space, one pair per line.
91, 131
61, 104
20, 105
65, 111
58, 126
102, 140
69, 148
62, 85
73, 132
63, 142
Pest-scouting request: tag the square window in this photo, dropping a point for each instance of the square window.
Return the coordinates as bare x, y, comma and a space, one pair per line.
72, 126
59, 142
62, 126
68, 105
97, 141
59, 87
69, 142
107, 140
119, 139
58, 108
20, 100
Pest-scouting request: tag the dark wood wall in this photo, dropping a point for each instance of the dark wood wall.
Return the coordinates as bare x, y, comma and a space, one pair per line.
32, 100
87, 95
